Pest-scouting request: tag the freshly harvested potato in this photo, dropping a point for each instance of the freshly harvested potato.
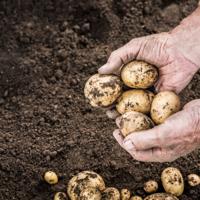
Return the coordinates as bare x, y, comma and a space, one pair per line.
102, 90
134, 121
151, 186
139, 74
172, 181
193, 180
164, 104
60, 196
135, 100
136, 198
125, 194
51, 177
161, 196
82, 181
90, 193
111, 193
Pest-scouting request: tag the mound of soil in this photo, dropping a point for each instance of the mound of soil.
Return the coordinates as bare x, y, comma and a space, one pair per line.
47, 51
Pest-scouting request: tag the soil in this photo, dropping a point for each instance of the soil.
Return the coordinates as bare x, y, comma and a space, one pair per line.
48, 49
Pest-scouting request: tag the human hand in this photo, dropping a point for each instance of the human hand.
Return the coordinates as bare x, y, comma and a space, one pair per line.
181, 131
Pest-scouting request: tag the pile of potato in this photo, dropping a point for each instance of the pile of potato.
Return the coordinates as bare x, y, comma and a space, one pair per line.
88, 185
140, 108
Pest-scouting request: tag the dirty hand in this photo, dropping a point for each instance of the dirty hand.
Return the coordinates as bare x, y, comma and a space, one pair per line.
151, 145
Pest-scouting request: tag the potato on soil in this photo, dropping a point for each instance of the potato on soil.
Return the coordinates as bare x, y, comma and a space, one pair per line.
90, 193
102, 90
60, 196
134, 121
136, 198
135, 100
193, 180
161, 196
139, 74
125, 194
111, 193
164, 105
51, 177
151, 186
82, 181
172, 181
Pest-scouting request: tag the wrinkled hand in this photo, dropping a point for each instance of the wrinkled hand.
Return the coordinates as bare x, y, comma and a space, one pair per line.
165, 143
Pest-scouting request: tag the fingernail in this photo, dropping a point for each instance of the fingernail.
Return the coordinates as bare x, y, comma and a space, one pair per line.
128, 145
102, 68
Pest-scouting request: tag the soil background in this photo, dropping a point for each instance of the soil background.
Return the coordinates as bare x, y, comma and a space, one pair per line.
48, 49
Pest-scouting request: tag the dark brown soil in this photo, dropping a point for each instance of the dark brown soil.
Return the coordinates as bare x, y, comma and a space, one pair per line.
47, 51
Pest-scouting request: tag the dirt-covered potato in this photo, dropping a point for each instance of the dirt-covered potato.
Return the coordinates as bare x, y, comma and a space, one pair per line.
193, 180
164, 105
139, 74
102, 90
82, 181
161, 196
60, 196
51, 177
172, 181
111, 193
90, 194
134, 121
136, 198
151, 186
135, 100
125, 194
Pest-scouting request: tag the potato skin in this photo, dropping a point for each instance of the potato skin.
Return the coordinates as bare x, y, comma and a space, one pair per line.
60, 196
125, 194
90, 194
102, 90
164, 105
136, 198
82, 181
150, 186
135, 100
172, 181
134, 121
51, 177
193, 180
161, 196
139, 74
111, 193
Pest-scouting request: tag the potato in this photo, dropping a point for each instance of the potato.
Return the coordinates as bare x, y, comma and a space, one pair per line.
136, 198
135, 100
102, 90
51, 177
82, 181
125, 194
193, 180
111, 193
90, 193
161, 196
151, 186
139, 74
172, 181
134, 121
60, 196
164, 104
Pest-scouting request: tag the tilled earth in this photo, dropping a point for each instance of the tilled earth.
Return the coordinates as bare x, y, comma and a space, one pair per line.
48, 49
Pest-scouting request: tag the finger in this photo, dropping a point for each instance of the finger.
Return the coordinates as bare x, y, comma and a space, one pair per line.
192, 104
112, 114
117, 135
118, 121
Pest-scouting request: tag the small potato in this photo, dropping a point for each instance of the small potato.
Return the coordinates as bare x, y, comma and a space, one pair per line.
135, 100
111, 193
151, 186
60, 196
161, 196
193, 180
125, 194
139, 74
51, 177
164, 105
90, 194
82, 181
136, 198
102, 90
172, 181
134, 121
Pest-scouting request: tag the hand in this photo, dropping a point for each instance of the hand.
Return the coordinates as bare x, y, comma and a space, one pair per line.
181, 131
